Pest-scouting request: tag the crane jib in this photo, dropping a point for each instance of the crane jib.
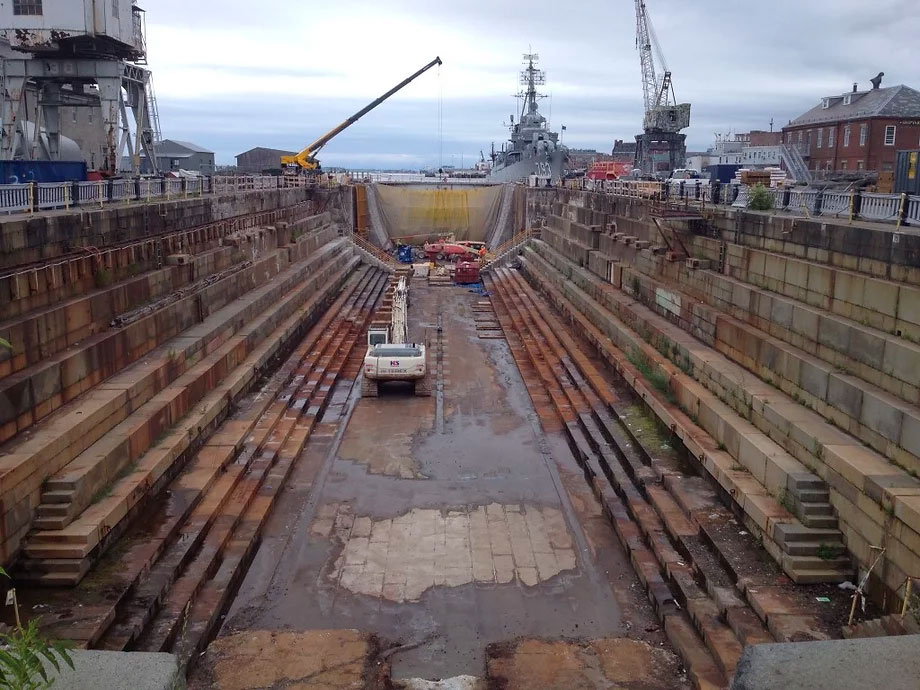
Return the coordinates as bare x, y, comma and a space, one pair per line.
310, 151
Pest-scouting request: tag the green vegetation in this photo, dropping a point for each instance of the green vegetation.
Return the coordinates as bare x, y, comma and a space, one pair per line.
760, 199
660, 380
103, 277
786, 501
827, 552
6, 343
23, 652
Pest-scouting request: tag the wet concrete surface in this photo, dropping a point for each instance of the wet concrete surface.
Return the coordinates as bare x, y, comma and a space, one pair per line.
383, 459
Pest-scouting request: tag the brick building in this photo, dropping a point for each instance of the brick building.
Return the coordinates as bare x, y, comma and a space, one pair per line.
860, 130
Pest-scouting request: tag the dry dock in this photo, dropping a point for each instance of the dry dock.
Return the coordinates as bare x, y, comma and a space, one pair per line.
661, 432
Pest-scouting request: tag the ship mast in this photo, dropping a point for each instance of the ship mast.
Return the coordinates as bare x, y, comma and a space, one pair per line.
531, 77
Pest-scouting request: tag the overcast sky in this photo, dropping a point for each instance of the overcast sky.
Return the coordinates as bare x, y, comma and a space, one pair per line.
280, 73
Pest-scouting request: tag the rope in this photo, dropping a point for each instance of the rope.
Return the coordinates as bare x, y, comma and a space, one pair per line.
440, 120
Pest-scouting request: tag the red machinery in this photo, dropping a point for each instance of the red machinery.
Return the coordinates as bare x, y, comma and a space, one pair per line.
449, 251
467, 272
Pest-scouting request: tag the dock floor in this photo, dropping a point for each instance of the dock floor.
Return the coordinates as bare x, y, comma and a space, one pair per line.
440, 526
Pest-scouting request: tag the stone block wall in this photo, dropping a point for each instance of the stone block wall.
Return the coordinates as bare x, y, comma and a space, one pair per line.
820, 324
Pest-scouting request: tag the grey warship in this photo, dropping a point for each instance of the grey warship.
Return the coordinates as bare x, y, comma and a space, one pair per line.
533, 148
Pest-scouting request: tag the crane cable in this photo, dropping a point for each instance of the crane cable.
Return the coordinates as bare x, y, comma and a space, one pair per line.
440, 119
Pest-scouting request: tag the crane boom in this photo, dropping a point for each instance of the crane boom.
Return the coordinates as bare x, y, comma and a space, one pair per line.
661, 147
646, 59
306, 159
662, 112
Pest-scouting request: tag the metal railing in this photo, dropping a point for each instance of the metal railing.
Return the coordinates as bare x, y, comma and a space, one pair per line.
372, 249
854, 205
30, 197
509, 246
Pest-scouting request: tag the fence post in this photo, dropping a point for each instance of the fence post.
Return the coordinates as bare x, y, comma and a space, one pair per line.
902, 212
33, 197
75, 192
819, 202
857, 205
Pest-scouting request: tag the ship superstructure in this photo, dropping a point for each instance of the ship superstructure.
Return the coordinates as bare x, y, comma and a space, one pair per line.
533, 149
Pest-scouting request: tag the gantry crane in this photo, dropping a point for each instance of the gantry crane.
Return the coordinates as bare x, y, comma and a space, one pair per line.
661, 147
306, 159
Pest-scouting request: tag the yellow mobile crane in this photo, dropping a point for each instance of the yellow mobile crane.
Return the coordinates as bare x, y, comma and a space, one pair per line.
305, 161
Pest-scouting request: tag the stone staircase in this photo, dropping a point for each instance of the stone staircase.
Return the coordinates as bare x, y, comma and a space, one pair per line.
892, 624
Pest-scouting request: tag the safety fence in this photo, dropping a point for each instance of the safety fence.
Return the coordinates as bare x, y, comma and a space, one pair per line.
30, 197
852, 205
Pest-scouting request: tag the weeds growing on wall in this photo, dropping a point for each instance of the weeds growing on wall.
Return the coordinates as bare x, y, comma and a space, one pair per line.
660, 380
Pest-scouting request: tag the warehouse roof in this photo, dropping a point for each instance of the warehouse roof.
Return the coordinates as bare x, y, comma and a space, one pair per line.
893, 101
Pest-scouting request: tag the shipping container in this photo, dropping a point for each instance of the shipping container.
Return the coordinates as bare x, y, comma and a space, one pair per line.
907, 173
42, 171
723, 172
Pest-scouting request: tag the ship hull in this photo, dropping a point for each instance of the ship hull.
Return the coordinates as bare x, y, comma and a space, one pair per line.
548, 166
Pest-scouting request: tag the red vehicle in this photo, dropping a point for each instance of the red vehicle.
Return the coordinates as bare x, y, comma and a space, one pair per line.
449, 251
608, 170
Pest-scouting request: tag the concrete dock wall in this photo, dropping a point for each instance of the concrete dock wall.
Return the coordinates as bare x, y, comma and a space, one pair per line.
816, 326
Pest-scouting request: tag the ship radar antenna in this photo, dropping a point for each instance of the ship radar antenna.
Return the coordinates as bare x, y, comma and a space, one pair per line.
531, 78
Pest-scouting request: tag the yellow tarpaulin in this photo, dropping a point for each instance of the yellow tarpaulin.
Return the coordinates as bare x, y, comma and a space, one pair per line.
416, 213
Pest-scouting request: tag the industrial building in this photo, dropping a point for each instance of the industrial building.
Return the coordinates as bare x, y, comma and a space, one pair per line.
258, 159
76, 68
173, 155
858, 130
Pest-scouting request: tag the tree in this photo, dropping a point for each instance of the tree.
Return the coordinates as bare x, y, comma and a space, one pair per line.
760, 199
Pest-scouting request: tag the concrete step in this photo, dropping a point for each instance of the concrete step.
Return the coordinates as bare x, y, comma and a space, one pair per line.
819, 521
812, 495
815, 509
52, 510
813, 548
55, 496
830, 561
789, 532
818, 577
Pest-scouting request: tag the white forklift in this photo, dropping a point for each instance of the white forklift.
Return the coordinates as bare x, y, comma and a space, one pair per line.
390, 356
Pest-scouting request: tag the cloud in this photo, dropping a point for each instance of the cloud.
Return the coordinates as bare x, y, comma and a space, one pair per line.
283, 75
